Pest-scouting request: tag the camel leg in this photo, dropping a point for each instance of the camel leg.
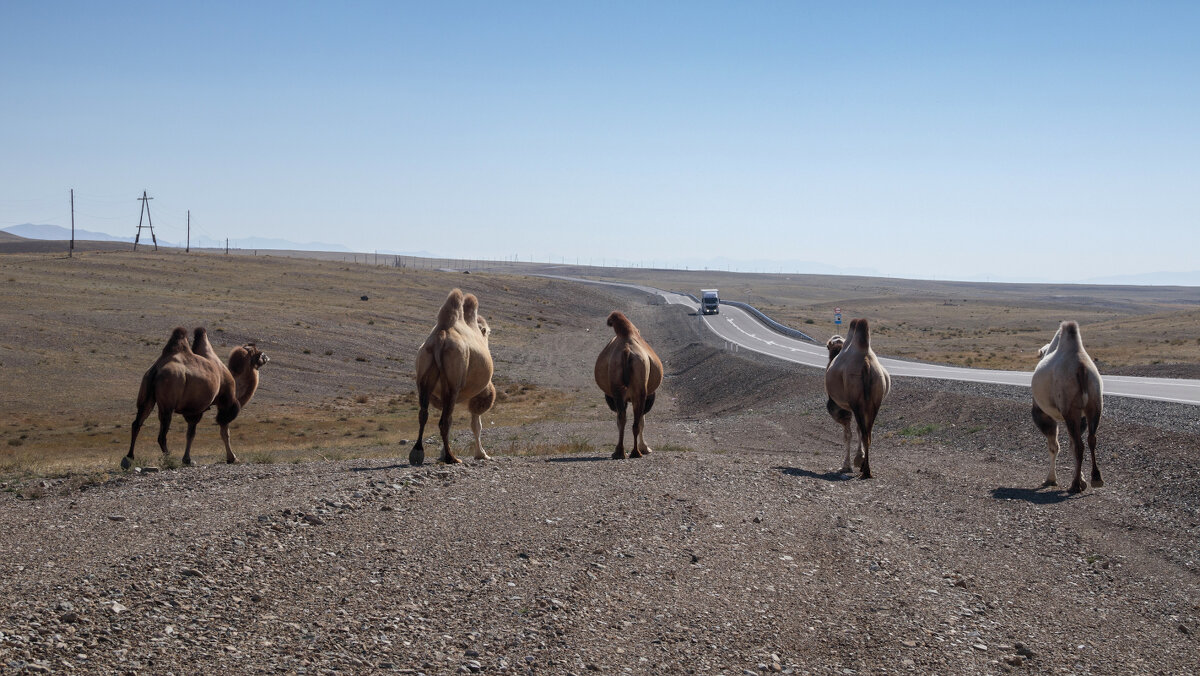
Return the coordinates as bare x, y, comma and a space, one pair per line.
225, 416
479, 405
142, 414
843, 417
1093, 422
448, 399
1071, 419
619, 406
1049, 428
192, 421
164, 424
417, 455
865, 420
639, 420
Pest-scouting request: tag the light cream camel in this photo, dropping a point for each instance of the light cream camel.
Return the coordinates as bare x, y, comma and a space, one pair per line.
454, 366
1067, 388
628, 370
190, 380
856, 384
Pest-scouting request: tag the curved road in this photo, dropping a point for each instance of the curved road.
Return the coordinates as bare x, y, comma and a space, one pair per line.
738, 327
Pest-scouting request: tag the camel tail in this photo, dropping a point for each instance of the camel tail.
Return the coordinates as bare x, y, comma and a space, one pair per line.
452, 310
621, 324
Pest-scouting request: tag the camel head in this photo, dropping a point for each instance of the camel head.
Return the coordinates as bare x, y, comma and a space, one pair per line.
483, 327
247, 356
621, 324
834, 345
1053, 344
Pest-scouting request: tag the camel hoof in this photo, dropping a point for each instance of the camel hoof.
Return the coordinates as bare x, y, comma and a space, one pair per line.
1097, 482
451, 460
1078, 486
618, 454
126, 462
647, 450
865, 475
483, 456
416, 457
188, 462
846, 470
230, 461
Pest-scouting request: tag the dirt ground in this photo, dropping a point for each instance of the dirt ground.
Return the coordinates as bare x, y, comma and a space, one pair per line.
734, 548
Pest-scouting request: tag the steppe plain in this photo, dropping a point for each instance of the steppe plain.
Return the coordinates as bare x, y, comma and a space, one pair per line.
734, 548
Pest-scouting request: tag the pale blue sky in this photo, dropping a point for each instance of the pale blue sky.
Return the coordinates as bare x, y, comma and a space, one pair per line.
945, 140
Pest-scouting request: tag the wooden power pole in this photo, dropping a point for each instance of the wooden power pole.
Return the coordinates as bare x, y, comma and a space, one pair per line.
149, 223
189, 235
71, 251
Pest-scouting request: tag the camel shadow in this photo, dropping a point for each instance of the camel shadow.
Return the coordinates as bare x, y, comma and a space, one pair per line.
579, 458
1036, 496
809, 474
380, 469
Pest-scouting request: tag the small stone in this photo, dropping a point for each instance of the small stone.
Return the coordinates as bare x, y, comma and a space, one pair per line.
118, 608
1023, 650
116, 517
908, 644
191, 572
1014, 660
314, 520
65, 605
149, 470
257, 598
70, 617
387, 508
979, 646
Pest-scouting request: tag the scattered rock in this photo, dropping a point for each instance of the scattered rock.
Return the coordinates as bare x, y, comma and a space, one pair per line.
116, 517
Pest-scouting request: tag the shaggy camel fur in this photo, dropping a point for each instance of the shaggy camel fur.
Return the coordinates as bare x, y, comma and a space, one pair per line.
190, 380
628, 370
856, 384
1067, 388
454, 366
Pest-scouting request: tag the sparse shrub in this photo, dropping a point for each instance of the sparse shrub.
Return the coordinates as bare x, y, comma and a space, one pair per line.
307, 351
361, 399
361, 359
918, 430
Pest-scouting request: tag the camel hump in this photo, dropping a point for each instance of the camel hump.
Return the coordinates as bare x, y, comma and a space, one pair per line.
860, 329
621, 324
470, 308
452, 310
1070, 337
177, 342
200, 344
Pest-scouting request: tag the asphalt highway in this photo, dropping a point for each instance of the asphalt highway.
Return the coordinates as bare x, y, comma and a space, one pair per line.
737, 327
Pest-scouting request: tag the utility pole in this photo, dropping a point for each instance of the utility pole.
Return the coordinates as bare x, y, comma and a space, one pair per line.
189, 233
150, 224
71, 251
226, 246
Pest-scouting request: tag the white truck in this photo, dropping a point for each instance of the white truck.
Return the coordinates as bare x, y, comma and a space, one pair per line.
710, 302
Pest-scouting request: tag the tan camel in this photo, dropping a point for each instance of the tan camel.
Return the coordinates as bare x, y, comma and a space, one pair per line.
856, 384
1067, 388
190, 380
628, 370
454, 366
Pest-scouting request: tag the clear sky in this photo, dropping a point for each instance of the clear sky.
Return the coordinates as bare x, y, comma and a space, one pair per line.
1043, 140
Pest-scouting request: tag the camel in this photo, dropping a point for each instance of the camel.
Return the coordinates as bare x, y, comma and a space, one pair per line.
628, 370
1067, 389
856, 384
189, 380
454, 366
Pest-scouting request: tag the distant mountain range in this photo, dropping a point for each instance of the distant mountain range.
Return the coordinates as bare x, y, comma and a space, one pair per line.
57, 232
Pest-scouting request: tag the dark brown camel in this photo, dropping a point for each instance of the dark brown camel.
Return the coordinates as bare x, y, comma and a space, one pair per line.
628, 371
454, 366
190, 380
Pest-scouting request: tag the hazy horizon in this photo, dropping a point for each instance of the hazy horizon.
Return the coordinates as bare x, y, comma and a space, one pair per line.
1032, 141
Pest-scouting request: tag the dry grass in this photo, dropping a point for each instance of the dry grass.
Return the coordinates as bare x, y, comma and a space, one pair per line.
340, 377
